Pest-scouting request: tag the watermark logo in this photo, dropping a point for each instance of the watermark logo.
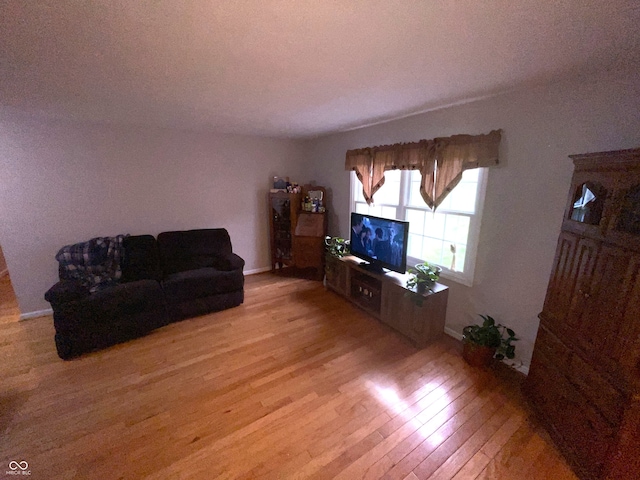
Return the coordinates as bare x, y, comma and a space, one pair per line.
18, 468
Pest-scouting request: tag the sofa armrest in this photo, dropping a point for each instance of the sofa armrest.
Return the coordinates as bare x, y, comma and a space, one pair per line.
228, 262
66, 291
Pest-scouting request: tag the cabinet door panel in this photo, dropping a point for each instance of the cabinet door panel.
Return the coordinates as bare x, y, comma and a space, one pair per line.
574, 265
337, 275
628, 349
421, 324
628, 220
625, 228
584, 262
579, 427
605, 330
561, 283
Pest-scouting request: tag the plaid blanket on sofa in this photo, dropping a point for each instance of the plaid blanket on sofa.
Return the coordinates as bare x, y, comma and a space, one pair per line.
95, 263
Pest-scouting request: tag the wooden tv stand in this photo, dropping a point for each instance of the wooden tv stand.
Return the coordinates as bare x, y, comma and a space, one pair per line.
383, 296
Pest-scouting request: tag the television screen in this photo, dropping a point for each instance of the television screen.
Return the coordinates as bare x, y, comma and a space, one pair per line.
380, 241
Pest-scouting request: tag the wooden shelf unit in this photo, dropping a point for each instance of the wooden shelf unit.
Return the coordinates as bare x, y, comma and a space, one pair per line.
297, 236
383, 297
283, 217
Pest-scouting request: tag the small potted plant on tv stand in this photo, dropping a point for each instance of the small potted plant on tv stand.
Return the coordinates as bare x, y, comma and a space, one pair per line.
336, 246
422, 279
483, 343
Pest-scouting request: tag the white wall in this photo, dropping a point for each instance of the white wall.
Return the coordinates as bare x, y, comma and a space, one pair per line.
526, 193
65, 182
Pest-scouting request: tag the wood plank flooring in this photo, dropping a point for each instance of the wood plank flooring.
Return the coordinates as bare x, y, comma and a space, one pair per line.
295, 383
9, 311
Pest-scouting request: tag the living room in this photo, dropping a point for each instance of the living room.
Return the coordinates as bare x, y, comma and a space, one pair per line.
78, 164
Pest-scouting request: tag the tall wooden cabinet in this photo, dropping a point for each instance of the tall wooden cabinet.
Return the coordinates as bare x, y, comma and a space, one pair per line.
296, 235
283, 217
584, 378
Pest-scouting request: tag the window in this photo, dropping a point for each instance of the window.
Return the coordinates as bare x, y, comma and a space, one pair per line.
447, 237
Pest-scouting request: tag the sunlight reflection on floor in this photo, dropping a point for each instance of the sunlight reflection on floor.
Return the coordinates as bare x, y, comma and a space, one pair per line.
422, 406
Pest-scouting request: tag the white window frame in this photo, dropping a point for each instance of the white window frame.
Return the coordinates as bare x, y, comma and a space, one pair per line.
465, 277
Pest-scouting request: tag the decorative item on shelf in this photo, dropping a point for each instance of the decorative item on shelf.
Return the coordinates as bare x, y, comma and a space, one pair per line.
483, 343
336, 246
422, 279
294, 188
316, 196
280, 184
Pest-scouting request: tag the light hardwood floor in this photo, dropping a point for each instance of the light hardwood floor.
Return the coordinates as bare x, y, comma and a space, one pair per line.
295, 383
9, 311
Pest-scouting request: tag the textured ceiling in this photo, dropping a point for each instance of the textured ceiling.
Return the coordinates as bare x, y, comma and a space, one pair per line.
294, 68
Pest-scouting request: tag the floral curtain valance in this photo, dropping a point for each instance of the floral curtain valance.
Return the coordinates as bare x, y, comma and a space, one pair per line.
441, 162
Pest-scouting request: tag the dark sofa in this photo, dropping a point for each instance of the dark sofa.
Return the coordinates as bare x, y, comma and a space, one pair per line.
179, 275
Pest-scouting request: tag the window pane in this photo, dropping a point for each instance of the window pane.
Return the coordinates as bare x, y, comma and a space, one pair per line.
375, 210
415, 199
471, 175
389, 212
456, 228
461, 254
368, 209
447, 255
416, 221
362, 208
434, 224
432, 250
415, 246
463, 197
446, 203
389, 193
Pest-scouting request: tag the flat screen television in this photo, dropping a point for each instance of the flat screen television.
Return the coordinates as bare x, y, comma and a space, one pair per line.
381, 242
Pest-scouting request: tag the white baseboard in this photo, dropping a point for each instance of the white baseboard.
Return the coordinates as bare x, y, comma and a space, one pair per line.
36, 314
519, 366
4, 272
453, 333
257, 270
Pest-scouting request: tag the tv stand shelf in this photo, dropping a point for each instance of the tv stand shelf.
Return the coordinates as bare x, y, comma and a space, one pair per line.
383, 297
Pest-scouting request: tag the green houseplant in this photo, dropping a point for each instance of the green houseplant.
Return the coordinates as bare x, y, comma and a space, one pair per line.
482, 343
422, 278
336, 246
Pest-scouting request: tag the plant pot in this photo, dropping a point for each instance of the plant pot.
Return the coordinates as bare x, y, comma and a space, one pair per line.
477, 355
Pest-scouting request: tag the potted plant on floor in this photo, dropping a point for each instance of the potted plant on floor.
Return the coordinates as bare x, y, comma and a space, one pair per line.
422, 279
483, 343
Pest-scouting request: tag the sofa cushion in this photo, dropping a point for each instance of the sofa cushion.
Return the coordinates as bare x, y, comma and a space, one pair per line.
202, 306
109, 305
192, 249
228, 262
66, 291
141, 259
202, 282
